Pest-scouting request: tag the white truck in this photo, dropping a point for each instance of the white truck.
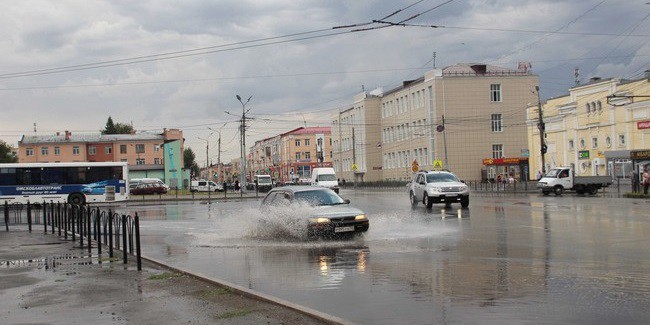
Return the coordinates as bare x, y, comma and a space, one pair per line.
561, 179
325, 177
203, 185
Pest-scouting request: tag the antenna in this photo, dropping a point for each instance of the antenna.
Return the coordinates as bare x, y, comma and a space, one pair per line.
434, 59
576, 75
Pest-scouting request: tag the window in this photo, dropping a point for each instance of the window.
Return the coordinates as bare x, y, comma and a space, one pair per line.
75, 150
156, 161
608, 142
599, 106
588, 108
92, 150
108, 150
45, 151
582, 143
571, 145
156, 148
594, 142
307, 142
495, 92
497, 151
297, 155
497, 123
139, 161
307, 155
29, 151
57, 151
621, 139
139, 148
123, 160
297, 143
123, 149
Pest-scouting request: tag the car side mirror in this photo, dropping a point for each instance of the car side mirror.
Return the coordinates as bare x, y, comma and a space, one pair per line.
422, 182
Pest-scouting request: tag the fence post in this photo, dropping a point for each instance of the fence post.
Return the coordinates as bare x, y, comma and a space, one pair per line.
82, 228
110, 234
52, 216
7, 215
29, 216
99, 233
72, 219
137, 242
58, 217
89, 225
124, 238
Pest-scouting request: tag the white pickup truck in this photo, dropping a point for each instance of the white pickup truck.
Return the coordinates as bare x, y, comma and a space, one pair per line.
561, 179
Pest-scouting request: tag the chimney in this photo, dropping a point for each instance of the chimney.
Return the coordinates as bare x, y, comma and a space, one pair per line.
67, 135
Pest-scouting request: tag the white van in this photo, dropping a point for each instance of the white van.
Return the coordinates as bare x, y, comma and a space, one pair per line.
205, 186
325, 177
264, 183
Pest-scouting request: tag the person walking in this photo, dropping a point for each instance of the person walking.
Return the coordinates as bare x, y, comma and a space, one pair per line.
646, 180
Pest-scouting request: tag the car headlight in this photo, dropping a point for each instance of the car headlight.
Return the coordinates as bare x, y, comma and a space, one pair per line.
319, 220
360, 217
434, 190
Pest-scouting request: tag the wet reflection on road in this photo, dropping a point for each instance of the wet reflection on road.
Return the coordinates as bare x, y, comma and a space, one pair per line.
506, 259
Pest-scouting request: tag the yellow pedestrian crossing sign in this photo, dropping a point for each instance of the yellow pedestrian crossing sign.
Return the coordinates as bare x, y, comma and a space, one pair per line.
355, 167
437, 164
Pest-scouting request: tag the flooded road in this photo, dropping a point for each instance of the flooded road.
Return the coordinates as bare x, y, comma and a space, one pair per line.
507, 259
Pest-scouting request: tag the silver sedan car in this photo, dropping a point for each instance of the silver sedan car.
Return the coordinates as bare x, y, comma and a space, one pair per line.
331, 215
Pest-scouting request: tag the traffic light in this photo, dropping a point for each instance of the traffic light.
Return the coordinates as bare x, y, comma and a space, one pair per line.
544, 148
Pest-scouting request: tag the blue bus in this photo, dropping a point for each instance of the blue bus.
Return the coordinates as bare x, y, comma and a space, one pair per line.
76, 182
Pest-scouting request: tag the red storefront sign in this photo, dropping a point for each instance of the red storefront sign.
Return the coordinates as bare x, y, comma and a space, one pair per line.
643, 125
503, 161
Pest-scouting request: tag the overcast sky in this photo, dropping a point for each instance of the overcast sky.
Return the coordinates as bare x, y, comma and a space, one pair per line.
68, 65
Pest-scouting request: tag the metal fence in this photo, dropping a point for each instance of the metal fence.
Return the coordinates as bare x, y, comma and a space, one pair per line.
84, 224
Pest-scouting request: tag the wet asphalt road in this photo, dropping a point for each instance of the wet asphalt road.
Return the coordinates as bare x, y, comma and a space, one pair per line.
507, 260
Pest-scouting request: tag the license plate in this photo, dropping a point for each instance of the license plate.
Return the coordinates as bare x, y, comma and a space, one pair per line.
344, 229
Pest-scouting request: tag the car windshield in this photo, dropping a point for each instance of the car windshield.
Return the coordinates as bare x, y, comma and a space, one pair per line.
552, 173
319, 197
264, 180
327, 178
441, 177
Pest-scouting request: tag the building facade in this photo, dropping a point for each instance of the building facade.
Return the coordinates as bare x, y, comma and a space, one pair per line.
600, 128
148, 155
291, 156
467, 118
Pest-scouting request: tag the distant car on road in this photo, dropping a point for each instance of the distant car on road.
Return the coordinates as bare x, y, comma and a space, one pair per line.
147, 188
431, 187
331, 216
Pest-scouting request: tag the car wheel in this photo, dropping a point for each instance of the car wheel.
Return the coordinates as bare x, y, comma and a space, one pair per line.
427, 201
414, 201
76, 199
558, 190
592, 190
464, 201
546, 192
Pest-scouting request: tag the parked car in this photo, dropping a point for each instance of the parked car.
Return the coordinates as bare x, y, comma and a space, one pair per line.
332, 215
205, 186
147, 188
431, 187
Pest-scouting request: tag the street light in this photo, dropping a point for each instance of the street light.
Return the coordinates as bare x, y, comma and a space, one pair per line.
242, 177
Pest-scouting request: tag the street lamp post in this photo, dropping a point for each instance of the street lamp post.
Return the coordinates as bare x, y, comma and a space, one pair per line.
242, 177
207, 146
219, 149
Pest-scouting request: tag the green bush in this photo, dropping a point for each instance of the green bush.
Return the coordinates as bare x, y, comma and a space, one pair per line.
636, 195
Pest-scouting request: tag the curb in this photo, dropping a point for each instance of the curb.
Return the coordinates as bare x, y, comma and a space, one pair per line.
254, 294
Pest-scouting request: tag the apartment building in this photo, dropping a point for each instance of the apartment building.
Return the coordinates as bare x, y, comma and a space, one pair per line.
148, 155
357, 140
467, 118
599, 128
291, 156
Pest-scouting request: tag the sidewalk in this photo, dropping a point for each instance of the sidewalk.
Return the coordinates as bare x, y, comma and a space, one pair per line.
46, 280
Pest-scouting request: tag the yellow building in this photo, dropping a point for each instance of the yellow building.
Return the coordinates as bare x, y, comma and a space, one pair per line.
600, 128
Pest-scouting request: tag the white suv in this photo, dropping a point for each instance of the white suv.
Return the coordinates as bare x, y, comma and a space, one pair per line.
437, 187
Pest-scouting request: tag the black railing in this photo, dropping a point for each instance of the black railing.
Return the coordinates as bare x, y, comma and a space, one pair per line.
85, 224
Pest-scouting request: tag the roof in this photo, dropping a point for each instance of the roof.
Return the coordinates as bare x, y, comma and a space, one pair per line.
479, 69
312, 130
89, 137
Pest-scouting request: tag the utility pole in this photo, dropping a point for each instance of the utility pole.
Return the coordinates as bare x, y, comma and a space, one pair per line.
207, 165
444, 141
219, 158
242, 177
354, 158
542, 128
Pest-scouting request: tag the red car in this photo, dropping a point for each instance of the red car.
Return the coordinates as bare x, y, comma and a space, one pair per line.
148, 188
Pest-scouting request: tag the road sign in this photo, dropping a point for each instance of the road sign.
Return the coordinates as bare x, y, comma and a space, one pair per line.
437, 164
355, 167
415, 166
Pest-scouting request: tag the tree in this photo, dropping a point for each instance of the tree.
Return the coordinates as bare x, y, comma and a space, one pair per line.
7, 155
117, 128
189, 161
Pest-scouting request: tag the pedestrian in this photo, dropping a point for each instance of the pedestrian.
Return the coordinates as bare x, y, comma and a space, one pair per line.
539, 174
646, 180
511, 180
499, 179
225, 186
236, 185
